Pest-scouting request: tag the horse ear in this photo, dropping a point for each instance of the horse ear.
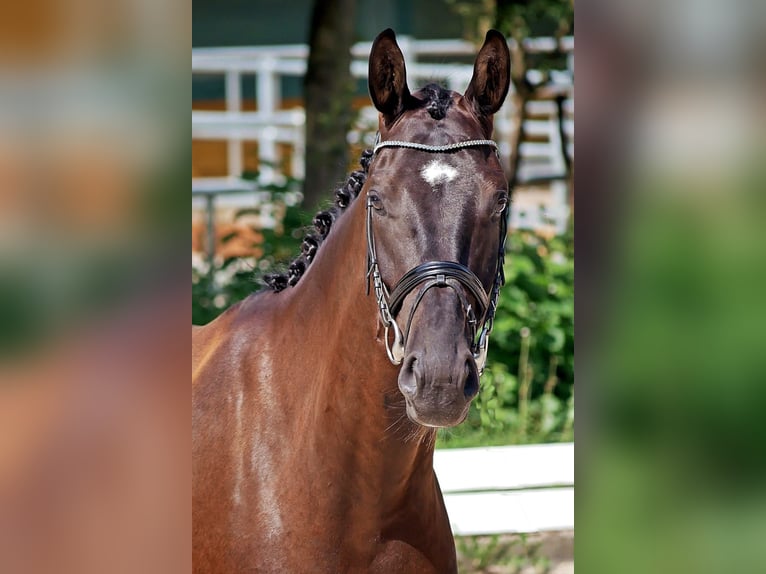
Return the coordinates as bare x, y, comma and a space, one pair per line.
388, 76
491, 75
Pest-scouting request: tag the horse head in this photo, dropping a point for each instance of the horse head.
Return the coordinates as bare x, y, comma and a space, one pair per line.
437, 202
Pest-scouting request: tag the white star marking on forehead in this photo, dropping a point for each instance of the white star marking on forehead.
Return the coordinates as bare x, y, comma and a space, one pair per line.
437, 172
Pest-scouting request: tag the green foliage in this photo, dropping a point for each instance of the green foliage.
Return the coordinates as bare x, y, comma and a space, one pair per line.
535, 18
535, 317
517, 19
506, 554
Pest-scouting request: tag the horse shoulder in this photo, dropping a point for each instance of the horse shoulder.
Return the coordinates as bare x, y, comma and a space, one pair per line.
232, 336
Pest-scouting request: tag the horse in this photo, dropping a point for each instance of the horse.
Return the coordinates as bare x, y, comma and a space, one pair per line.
316, 402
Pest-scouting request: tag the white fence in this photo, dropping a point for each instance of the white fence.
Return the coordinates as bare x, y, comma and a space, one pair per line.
508, 489
271, 125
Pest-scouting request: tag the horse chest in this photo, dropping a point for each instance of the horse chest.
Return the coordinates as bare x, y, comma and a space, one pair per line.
332, 527
398, 556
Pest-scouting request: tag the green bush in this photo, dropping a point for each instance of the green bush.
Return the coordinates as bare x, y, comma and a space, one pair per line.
527, 390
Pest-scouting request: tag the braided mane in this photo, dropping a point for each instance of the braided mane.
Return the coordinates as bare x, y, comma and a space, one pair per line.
322, 223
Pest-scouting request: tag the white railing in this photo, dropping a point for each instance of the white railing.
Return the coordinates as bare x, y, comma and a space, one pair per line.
508, 489
272, 125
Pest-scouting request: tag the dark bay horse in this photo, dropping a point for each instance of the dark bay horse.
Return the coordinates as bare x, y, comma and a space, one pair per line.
315, 404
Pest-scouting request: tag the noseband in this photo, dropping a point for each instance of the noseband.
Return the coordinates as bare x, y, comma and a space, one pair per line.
436, 274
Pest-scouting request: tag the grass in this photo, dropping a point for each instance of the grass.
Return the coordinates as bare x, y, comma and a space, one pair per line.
520, 553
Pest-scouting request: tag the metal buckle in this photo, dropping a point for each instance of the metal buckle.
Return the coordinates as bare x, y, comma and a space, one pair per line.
396, 352
480, 356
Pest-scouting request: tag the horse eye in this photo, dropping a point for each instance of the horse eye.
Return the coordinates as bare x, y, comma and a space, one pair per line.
502, 201
373, 200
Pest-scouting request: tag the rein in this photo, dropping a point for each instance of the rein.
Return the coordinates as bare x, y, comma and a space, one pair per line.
435, 274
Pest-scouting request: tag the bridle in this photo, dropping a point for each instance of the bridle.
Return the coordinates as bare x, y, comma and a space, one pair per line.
436, 274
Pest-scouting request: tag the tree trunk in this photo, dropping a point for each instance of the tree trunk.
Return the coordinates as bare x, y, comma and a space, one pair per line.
328, 91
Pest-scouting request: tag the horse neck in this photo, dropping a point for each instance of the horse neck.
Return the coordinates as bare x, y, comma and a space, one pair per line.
352, 396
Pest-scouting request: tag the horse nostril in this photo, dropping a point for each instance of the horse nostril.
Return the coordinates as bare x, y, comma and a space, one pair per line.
410, 363
471, 386
408, 378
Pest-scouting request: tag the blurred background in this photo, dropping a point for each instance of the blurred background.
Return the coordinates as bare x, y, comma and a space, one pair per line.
671, 257
94, 401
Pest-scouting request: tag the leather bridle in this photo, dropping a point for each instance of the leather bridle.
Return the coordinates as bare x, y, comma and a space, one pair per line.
436, 274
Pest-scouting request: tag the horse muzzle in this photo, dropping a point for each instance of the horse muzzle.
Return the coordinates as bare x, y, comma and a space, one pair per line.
438, 394
439, 376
